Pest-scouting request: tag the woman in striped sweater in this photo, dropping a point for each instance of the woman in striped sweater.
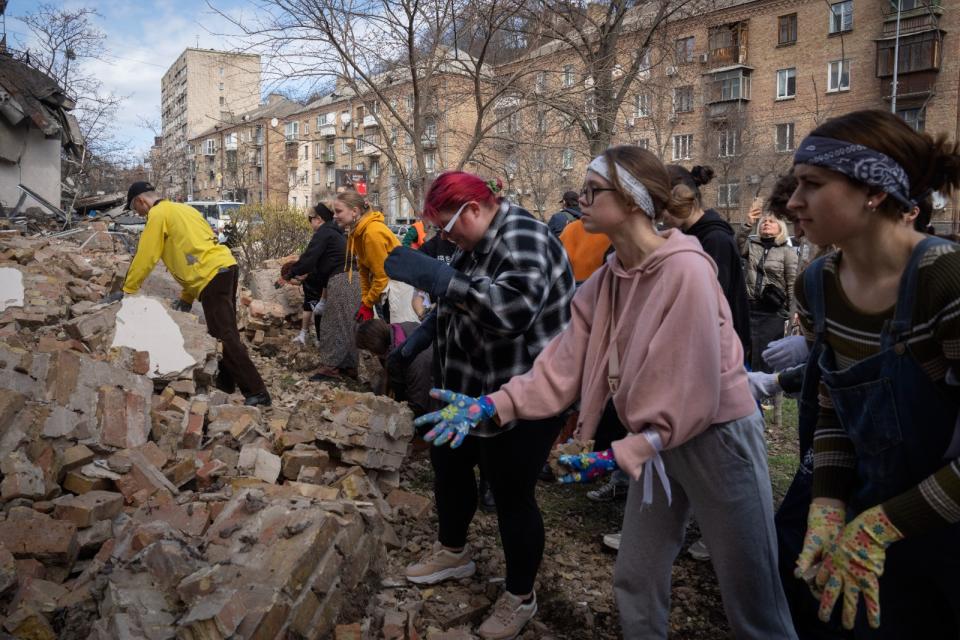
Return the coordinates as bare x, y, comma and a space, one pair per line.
882, 316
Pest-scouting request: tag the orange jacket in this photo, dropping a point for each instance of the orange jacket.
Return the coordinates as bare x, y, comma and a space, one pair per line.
585, 250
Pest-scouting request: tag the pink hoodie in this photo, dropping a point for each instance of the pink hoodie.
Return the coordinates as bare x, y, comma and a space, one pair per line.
681, 362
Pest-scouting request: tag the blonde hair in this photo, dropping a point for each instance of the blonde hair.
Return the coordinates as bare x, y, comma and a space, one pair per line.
354, 200
784, 235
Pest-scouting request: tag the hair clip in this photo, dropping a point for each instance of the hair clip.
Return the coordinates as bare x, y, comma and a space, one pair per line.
495, 186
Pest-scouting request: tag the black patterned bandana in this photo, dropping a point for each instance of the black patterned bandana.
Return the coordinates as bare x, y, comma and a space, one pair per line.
859, 163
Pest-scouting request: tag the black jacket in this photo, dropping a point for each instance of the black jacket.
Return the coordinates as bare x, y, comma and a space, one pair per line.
719, 241
561, 219
324, 256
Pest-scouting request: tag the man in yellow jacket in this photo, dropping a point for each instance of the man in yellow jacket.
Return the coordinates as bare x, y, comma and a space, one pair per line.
180, 236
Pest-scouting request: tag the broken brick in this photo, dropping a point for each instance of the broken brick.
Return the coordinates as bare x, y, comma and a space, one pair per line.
416, 506
85, 510
41, 538
297, 458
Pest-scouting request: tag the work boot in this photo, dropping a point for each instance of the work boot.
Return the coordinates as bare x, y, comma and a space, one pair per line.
258, 399
485, 493
441, 564
510, 614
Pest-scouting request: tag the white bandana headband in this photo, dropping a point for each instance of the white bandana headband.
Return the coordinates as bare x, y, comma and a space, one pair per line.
634, 187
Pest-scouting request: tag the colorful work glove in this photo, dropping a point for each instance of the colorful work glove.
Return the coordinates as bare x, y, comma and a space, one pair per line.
364, 313
854, 566
824, 524
786, 352
587, 467
455, 420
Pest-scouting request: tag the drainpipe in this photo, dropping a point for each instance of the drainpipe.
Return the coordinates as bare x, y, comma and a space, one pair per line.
896, 61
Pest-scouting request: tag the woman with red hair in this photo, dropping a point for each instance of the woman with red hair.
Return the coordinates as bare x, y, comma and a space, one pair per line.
504, 296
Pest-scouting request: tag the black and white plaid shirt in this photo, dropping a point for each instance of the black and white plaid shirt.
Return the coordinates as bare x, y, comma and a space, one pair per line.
511, 295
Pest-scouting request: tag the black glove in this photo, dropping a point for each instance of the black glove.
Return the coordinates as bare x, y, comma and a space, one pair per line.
419, 270
401, 357
116, 296
182, 305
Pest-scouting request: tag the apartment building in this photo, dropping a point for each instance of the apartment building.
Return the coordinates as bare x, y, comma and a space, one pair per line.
241, 159
202, 88
738, 88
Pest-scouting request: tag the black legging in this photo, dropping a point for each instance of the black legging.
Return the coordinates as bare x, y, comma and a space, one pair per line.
511, 463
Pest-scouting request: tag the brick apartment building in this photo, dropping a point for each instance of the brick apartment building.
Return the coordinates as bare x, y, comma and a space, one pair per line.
736, 89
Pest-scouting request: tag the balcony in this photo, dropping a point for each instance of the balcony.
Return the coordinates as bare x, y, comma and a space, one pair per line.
918, 20
291, 138
329, 156
370, 121
727, 56
371, 150
328, 131
909, 85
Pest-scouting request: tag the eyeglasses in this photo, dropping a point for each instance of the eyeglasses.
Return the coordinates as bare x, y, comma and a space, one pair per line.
589, 192
447, 228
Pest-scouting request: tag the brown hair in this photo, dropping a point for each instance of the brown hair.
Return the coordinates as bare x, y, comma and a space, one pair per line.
353, 200
374, 336
780, 195
648, 169
932, 164
686, 187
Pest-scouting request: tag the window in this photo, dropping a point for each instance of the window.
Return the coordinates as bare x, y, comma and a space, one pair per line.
916, 118
641, 105
293, 201
344, 145
841, 16
394, 134
785, 137
683, 146
230, 141
643, 143
360, 143
430, 129
210, 147
223, 101
540, 160
317, 150
683, 99
221, 72
221, 86
919, 52
787, 29
728, 143
306, 127
359, 167
316, 176
568, 75
374, 198
684, 49
838, 75
430, 162
411, 102
728, 194
291, 176
374, 169
292, 130
306, 152
786, 83
541, 122
540, 84
567, 159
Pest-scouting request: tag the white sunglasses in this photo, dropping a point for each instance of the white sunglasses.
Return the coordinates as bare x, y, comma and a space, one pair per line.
447, 228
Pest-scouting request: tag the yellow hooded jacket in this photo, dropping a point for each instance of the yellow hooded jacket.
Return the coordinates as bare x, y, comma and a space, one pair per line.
371, 241
181, 236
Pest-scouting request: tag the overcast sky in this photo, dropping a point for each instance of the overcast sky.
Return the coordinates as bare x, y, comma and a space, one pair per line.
143, 39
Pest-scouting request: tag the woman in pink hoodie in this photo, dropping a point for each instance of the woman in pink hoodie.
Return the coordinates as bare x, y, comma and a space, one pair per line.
651, 332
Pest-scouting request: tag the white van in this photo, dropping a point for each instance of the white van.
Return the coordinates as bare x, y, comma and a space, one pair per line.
217, 213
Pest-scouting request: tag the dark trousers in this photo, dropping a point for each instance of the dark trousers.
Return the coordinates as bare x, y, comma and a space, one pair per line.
510, 462
765, 327
219, 300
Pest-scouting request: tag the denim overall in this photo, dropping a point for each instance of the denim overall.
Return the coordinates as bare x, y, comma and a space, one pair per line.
901, 425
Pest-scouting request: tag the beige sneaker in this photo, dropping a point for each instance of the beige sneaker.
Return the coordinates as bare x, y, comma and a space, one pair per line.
441, 564
509, 616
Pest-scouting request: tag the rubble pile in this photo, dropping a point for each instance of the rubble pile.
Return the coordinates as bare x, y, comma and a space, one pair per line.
141, 502
264, 307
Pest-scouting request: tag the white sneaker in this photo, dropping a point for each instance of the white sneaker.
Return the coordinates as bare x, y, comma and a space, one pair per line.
510, 614
612, 541
698, 550
440, 564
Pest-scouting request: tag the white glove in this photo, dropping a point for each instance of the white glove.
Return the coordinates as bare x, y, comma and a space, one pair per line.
319, 307
786, 352
763, 385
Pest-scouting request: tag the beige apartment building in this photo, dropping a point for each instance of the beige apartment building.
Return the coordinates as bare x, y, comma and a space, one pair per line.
202, 88
241, 159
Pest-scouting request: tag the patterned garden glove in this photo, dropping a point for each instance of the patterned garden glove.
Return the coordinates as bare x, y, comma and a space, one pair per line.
457, 418
587, 467
364, 313
854, 566
824, 524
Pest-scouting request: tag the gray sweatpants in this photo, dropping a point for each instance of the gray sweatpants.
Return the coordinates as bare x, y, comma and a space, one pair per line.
722, 476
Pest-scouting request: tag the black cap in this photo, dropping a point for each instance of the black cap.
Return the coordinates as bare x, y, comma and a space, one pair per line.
570, 197
136, 189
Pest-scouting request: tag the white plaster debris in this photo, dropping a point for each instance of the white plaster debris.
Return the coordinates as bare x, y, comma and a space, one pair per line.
11, 288
144, 324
